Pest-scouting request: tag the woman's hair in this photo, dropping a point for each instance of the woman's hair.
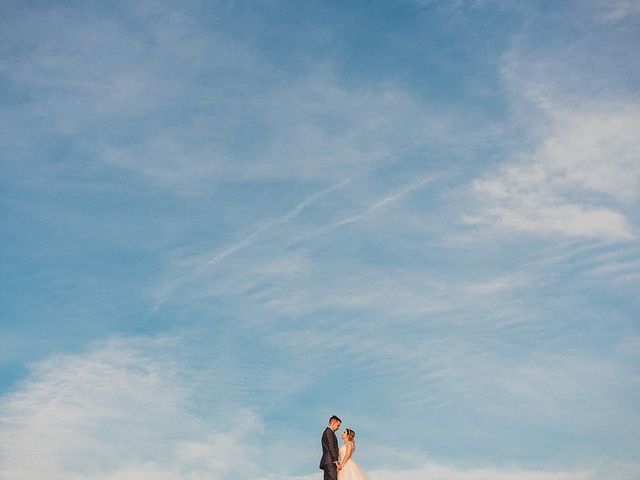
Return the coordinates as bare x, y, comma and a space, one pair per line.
351, 436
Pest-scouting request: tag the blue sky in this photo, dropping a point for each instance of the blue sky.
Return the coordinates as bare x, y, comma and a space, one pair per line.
224, 221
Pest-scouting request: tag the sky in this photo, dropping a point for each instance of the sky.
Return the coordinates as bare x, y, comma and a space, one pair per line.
224, 221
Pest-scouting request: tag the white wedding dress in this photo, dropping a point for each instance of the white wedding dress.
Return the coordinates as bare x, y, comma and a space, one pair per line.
351, 470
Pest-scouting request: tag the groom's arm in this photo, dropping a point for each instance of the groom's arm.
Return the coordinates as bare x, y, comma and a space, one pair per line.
326, 441
329, 441
333, 446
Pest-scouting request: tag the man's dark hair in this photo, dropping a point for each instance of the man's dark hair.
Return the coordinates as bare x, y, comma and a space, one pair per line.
333, 417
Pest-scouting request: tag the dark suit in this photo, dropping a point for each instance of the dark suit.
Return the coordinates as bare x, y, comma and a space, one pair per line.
329, 455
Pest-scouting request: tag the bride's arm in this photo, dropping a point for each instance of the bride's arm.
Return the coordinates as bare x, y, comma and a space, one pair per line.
347, 454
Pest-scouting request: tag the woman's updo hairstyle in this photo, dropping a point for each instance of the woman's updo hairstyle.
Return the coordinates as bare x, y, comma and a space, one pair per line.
351, 436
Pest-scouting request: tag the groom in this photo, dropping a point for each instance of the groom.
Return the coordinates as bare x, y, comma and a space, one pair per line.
329, 460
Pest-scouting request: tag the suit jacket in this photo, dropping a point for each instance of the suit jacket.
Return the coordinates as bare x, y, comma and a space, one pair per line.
329, 448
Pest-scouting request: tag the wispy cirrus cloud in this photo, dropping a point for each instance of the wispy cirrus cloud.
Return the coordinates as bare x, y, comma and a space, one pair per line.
118, 410
619, 9
437, 471
195, 158
296, 237
579, 182
441, 471
131, 408
368, 211
253, 236
132, 101
576, 172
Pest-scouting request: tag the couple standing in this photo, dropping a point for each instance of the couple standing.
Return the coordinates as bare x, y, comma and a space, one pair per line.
338, 464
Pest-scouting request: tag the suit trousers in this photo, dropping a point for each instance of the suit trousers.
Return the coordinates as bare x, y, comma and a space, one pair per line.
331, 472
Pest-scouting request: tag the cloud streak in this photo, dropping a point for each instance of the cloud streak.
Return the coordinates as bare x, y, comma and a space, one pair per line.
291, 214
577, 183
369, 211
119, 410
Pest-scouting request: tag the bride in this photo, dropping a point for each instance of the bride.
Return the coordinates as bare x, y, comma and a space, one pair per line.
347, 468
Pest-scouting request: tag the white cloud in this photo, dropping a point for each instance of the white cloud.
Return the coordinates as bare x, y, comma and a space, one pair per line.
139, 105
615, 10
578, 182
440, 471
435, 471
401, 294
118, 411
577, 171
292, 284
124, 410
